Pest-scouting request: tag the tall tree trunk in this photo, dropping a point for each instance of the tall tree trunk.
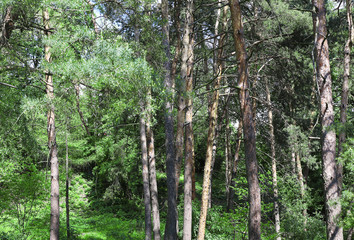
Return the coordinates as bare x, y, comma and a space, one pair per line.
145, 171
345, 89
254, 226
52, 144
230, 205
218, 70
213, 115
213, 158
180, 93
152, 168
171, 222
177, 55
323, 75
180, 125
67, 183
187, 76
274, 163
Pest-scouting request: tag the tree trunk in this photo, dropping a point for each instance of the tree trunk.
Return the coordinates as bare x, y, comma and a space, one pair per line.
180, 126
52, 144
213, 115
345, 89
145, 171
181, 103
230, 205
177, 22
228, 167
170, 229
67, 183
323, 75
254, 226
300, 178
274, 164
213, 158
152, 168
187, 76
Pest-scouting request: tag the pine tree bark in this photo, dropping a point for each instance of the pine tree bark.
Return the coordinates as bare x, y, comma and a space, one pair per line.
323, 76
254, 226
274, 164
187, 76
171, 222
52, 144
145, 172
152, 171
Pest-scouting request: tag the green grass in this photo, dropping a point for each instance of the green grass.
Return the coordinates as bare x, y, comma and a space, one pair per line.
106, 226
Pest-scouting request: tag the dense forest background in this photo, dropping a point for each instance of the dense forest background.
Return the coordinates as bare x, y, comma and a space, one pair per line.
178, 119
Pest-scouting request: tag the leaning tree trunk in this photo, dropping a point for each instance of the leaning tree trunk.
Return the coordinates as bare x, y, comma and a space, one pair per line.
152, 171
323, 75
210, 143
145, 171
52, 144
171, 221
274, 164
254, 226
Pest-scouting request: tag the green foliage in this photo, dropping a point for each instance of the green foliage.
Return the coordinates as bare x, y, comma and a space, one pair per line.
24, 197
346, 158
301, 145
